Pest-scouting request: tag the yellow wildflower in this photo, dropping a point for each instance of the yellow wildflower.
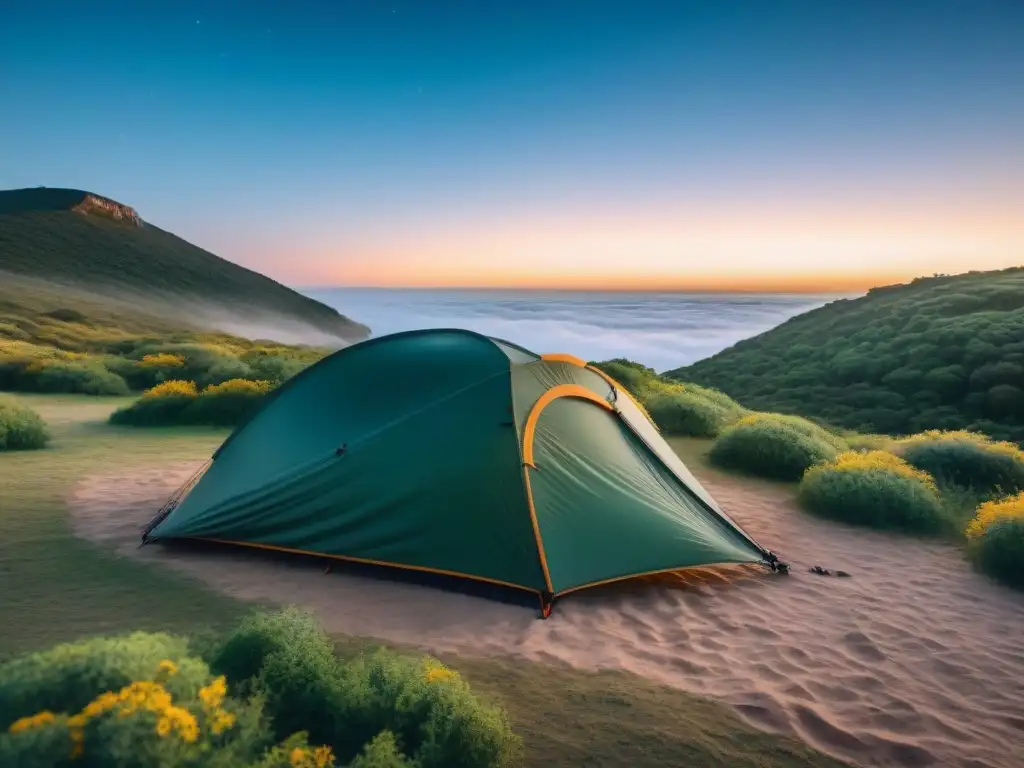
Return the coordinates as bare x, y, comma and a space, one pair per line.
297, 758
222, 721
1001, 509
172, 388
323, 757
438, 673
32, 721
163, 726
964, 436
239, 387
856, 461
213, 694
167, 667
161, 360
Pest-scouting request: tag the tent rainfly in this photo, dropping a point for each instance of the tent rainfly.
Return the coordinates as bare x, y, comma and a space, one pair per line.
450, 452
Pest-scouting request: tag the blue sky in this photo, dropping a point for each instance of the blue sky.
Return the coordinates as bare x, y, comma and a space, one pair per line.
529, 142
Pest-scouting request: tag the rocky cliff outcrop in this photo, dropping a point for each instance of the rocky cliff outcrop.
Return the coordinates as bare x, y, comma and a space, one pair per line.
94, 205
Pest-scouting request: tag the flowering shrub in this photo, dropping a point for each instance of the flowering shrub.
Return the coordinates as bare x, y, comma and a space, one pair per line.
991, 512
177, 402
161, 360
173, 388
69, 706
966, 460
289, 661
772, 446
21, 428
996, 539
875, 489
65, 374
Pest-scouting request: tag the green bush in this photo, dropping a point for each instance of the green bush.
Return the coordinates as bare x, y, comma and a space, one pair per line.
60, 376
275, 367
227, 404
178, 403
162, 406
639, 380
966, 460
205, 364
876, 490
21, 428
289, 660
999, 551
683, 413
770, 447
142, 700
66, 677
996, 538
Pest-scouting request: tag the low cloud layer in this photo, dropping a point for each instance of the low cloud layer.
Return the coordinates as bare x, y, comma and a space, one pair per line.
662, 331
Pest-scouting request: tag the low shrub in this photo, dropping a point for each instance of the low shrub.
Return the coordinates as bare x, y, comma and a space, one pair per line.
21, 428
996, 539
205, 364
801, 425
60, 376
289, 661
179, 403
639, 380
162, 406
150, 371
142, 700
874, 489
229, 403
68, 676
771, 447
275, 367
683, 413
966, 460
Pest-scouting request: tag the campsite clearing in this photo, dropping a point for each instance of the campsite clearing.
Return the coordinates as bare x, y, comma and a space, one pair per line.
56, 587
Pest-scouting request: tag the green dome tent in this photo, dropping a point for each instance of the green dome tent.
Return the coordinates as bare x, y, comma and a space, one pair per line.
449, 452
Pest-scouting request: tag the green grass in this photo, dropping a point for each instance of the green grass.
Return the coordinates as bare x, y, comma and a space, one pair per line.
43, 236
55, 588
938, 353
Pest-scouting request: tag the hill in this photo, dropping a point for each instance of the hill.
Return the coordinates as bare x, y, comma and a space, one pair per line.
88, 248
944, 352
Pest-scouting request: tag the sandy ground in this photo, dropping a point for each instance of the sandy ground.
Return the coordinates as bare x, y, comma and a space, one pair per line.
913, 661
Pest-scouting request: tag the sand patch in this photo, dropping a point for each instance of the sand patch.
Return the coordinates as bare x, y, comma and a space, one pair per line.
914, 661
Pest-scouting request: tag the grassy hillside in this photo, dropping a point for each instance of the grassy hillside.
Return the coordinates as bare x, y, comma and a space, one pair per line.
944, 352
88, 247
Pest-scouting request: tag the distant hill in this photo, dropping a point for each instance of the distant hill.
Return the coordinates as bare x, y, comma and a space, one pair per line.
94, 247
944, 352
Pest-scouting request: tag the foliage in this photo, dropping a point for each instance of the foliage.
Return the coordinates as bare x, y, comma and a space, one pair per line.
999, 551
175, 403
677, 408
1010, 508
682, 413
58, 375
229, 403
106, 701
289, 660
938, 353
21, 428
769, 446
66, 677
966, 460
875, 489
